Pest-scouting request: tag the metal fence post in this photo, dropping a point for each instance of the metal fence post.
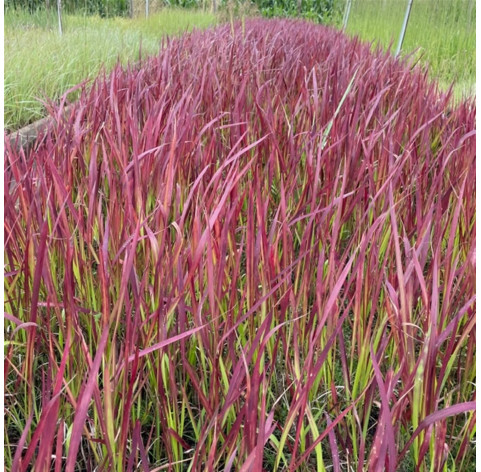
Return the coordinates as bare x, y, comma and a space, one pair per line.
59, 14
405, 25
347, 11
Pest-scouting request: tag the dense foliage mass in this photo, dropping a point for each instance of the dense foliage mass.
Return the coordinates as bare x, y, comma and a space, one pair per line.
105, 8
317, 10
321, 11
254, 252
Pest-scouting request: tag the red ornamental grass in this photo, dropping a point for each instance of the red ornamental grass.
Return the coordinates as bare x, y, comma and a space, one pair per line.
253, 252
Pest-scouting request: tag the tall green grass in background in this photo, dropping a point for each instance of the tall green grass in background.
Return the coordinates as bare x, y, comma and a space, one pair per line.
442, 32
40, 63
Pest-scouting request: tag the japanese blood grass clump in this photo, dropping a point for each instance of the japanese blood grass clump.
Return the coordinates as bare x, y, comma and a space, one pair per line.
254, 252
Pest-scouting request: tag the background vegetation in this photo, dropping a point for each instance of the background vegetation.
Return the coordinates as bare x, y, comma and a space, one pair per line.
42, 65
442, 34
319, 10
104, 8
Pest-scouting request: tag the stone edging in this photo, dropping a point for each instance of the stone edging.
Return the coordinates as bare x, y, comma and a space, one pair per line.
26, 136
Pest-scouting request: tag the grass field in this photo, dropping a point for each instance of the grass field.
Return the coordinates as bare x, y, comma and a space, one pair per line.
40, 63
443, 32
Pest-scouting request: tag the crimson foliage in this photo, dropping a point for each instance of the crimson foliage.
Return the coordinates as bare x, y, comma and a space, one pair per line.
253, 252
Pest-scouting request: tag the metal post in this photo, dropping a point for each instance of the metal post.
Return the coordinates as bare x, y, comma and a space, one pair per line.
59, 13
405, 25
347, 11
146, 8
